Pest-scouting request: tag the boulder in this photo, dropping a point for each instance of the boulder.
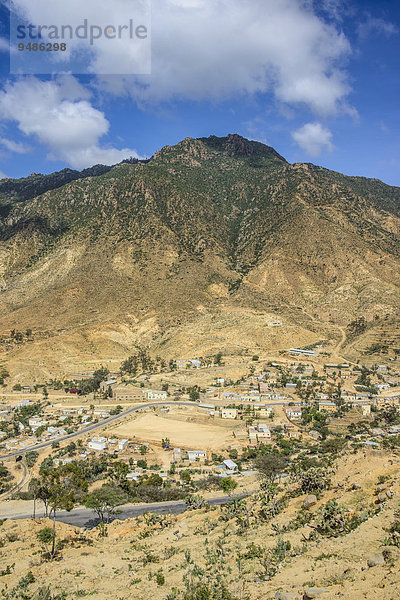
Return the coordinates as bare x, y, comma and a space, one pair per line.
310, 501
375, 560
382, 487
381, 498
356, 486
313, 592
286, 596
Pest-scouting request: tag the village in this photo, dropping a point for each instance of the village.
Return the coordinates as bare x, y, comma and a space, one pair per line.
193, 418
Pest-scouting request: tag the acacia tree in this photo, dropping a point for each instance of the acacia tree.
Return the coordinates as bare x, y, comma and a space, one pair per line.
34, 488
64, 487
104, 501
270, 466
117, 473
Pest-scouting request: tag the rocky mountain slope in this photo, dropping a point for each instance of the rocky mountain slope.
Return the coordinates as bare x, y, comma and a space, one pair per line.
194, 251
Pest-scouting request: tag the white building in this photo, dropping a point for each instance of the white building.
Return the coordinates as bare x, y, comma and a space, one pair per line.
294, 412
299, 351
156, 395
263, 428
194, 455
35, 422
133, 476
122, 444
229, 465
98, 444
229, 413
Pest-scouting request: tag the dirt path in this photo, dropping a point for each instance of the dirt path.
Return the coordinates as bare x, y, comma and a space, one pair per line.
18, 486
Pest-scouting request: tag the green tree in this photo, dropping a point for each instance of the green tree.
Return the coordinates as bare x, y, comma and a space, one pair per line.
218, 358
104, 501
228, 485
46, 537
270, 466
34, 489
194, 394
117, 473
185, 477
64, 486
31, 458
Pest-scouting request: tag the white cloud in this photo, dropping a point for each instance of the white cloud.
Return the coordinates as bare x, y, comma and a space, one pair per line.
314, 138
217, 49
60, 115
15, 146
374, 25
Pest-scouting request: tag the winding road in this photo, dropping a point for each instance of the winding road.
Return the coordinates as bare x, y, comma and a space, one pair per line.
84, 517
93, 427
19, 485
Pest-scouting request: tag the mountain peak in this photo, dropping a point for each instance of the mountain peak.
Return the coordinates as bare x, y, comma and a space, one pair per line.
233, 145
237, 145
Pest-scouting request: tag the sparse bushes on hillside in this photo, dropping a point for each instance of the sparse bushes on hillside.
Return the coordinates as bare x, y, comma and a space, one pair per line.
393, 538
334, 520
311, 480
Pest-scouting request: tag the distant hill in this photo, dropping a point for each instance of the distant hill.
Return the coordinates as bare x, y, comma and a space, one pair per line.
195, 251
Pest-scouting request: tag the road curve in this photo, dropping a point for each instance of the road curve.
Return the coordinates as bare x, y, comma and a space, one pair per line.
18, 485
84, 517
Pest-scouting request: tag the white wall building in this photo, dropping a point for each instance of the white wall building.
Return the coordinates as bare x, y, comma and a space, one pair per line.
156, 395
98, 444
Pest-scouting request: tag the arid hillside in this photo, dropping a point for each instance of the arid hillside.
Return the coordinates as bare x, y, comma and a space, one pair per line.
280, 543
194, 251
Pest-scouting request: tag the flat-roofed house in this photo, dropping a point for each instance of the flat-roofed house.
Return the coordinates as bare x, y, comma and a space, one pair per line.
156, 395
229, 413
293, 412
98, 444
35, 422
196, 455
327, 406
122, 444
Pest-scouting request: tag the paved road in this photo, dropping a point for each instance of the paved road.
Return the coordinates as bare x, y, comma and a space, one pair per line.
84, 517
93, 427
104, 423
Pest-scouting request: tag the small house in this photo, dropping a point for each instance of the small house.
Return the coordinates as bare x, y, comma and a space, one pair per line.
229, 413
98, 444
229, 465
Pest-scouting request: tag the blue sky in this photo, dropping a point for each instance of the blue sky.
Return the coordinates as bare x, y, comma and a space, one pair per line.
319, 82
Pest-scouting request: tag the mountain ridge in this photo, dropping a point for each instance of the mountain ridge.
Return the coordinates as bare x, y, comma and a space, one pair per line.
211, 228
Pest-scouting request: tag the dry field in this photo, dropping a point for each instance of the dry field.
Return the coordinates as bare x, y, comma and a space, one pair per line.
197, 436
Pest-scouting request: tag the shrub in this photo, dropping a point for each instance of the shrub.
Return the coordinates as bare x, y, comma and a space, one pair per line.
195, 502
312, 480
